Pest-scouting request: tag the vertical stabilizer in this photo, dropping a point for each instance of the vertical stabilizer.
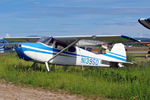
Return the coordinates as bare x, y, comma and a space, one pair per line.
119, 49
117, 53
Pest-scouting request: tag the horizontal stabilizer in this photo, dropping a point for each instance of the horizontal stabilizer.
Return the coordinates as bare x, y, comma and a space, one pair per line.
122, 64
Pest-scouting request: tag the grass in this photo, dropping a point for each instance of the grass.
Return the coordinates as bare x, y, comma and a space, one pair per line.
139, 57
132, 83
138, 54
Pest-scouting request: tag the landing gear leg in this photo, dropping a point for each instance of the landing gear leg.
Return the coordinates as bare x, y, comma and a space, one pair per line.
46, 63
55, 67
82, 68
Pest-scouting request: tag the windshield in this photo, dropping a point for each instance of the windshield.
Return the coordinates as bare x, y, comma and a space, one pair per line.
46, 40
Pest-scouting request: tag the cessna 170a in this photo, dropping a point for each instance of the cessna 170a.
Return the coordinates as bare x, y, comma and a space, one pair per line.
145, 22
63, 50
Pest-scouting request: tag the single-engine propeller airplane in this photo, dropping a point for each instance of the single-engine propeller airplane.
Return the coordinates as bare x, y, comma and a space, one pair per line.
145, 22
63, 50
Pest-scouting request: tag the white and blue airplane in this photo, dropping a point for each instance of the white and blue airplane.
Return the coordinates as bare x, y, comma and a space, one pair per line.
63, 50
145, 22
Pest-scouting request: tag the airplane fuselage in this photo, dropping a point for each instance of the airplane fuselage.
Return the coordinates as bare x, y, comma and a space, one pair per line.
39, 52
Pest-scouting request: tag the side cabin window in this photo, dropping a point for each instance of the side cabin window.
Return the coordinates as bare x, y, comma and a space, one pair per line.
61, 46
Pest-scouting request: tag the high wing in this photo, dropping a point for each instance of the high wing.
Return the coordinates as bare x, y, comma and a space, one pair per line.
69, 39
102, 38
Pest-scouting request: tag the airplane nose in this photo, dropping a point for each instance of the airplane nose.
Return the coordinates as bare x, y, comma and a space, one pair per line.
19, 50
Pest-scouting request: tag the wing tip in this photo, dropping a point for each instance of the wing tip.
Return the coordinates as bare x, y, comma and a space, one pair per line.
130, 38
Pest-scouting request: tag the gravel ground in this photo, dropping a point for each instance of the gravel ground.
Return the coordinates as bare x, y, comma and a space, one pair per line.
10, 91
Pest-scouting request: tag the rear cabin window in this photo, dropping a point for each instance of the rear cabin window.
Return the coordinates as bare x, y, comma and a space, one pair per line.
72, 49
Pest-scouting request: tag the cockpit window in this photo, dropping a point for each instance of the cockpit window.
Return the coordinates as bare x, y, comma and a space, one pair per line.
61, 46
57, 44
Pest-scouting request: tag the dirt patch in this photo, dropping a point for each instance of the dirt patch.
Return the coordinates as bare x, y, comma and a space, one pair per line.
10, 91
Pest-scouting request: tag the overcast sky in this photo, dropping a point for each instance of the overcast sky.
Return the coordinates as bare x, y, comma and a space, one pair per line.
73, 17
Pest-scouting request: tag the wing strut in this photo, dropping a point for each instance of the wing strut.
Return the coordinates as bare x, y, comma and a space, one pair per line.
46, 63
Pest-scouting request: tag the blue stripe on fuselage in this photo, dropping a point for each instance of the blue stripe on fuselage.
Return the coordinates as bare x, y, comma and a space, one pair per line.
28, 49
42, 46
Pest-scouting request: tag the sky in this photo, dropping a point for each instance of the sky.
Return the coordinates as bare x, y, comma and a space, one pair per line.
20, 18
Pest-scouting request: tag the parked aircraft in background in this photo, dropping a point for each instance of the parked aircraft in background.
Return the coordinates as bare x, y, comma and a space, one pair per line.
1, 48
64, 50
6, 46
145, 22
